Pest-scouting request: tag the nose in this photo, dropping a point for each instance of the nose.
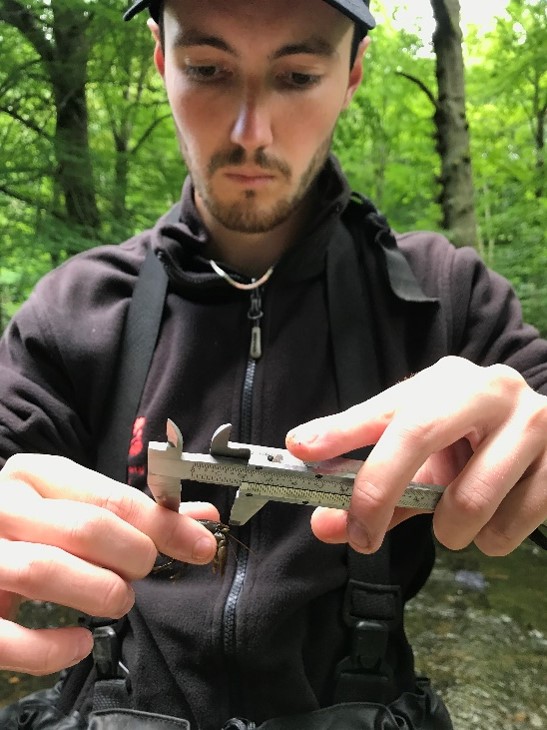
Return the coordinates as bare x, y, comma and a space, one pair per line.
252, 128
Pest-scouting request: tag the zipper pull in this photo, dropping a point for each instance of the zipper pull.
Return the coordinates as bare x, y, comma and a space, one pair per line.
256, 342
255, 315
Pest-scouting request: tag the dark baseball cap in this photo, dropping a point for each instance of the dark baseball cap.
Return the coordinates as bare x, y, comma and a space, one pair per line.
357, 10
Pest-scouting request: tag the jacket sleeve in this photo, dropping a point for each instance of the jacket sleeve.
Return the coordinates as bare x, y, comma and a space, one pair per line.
58, 355
38, 410
482, 314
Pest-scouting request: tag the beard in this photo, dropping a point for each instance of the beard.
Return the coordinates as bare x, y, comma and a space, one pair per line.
248, 215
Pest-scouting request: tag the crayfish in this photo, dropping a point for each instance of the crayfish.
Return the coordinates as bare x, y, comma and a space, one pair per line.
172, 569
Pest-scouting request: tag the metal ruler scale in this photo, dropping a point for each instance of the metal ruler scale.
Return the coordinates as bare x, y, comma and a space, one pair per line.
262, 474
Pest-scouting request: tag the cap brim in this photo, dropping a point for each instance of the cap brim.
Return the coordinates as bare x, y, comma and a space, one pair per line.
137, 7
357, 10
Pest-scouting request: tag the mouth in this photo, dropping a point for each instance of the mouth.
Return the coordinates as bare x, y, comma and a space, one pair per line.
249, 177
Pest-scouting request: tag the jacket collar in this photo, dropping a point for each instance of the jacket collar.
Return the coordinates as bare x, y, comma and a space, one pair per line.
181, 239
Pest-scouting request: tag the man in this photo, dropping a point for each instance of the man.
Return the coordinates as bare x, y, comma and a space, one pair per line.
287, 303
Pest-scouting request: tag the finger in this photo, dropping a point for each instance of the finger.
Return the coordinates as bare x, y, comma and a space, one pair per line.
428, 419
46, 573
331, 436
521, 512
89, 532
450, 386
330, 525
199, 511
55, 477
9, 605
42, 651
486, 482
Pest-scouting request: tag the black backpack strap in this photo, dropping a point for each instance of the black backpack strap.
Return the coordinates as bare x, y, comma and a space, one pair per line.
372, 605
372, 611
139, 341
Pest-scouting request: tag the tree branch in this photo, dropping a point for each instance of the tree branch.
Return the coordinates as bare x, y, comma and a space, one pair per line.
148, 132
420, 84
26, 122
32, 203
17, 15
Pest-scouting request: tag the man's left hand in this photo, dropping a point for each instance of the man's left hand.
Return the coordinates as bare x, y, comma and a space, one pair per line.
481, 432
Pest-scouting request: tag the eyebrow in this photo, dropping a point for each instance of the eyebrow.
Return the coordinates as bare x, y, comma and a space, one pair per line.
313, 46
187, 38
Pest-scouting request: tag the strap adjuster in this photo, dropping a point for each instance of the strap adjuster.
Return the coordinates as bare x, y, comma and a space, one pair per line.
369, 644
107, 654
364, 675
372, 603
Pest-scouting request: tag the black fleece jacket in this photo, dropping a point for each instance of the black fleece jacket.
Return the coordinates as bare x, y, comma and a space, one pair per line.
263, 640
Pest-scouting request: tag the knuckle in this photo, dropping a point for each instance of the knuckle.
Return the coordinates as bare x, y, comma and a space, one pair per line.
36, 570
473, 503
453, 363
453, 540
504, 380
171, 540
147, 555
496, 542
113, 601
536, 408
87, 524
416, 436
120, 502
368, 495
16, 468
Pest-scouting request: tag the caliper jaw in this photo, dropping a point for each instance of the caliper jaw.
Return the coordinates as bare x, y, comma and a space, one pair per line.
165, 489
246, 503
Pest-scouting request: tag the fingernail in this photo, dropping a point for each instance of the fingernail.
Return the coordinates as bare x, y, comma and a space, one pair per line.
303, 435
358, 536
204, 549
84, 647
129, 603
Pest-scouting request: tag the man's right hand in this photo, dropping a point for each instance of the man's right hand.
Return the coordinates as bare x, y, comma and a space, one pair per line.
76, 538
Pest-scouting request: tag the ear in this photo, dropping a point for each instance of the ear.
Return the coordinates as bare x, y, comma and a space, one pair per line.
356, 71
159, 57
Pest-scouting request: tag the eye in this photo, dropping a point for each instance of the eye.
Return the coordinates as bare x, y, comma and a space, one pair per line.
299, 80
203, 73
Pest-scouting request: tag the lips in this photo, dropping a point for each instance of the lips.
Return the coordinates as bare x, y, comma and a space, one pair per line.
249, 178
248, 172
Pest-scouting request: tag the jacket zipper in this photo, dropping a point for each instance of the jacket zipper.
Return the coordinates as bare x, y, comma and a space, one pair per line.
255, 315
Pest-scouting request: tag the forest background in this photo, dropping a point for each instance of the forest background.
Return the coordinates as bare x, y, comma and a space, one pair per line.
88, 153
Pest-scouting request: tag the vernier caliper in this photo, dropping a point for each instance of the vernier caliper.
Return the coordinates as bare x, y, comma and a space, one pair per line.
261, 474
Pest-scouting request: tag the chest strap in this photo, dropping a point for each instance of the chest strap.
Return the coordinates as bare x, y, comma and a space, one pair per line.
372, 606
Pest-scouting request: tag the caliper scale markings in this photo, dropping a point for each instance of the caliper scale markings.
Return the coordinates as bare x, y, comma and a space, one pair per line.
261, 474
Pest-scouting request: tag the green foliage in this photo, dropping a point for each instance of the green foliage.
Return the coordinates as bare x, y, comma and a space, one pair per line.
507, 88
384, 140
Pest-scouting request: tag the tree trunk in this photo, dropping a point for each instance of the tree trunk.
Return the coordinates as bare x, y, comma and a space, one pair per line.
456, 196
540, 113
63, 51
68, 74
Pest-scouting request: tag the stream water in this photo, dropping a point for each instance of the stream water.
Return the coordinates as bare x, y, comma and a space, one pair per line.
479, 630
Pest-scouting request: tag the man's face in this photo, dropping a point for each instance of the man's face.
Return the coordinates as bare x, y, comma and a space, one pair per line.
256, 87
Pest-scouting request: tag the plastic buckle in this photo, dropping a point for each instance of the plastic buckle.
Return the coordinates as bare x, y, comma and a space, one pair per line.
364, 676
106, 652
369, 644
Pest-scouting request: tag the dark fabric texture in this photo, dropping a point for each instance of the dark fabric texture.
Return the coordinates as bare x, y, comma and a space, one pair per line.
252, 644
419, 710
38, 711
135, 720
